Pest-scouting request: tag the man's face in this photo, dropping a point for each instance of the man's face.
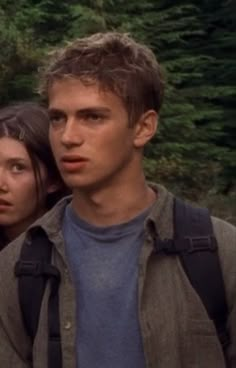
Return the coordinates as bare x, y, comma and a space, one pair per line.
89, 134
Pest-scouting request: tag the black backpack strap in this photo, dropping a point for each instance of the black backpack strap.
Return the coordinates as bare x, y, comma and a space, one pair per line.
34, 270
196, 245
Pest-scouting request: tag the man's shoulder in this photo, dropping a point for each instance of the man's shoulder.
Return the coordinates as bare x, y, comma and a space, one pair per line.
225, 234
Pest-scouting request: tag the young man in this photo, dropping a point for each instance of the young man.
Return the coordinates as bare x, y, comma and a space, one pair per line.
121, 303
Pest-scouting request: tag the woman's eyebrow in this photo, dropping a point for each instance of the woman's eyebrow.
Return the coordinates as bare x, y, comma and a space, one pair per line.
16, 159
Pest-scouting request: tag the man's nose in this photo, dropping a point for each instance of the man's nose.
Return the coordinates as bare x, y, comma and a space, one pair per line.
71, 134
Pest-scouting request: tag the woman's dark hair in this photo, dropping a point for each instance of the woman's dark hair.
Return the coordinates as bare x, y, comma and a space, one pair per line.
28, 123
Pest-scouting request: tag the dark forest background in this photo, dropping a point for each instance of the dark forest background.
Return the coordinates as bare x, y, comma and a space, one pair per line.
194, 152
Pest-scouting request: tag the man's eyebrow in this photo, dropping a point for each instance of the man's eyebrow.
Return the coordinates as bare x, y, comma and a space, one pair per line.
84, 110
55, 111
93, 109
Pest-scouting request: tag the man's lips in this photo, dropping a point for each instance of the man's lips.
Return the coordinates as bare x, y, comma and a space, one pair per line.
73, 158
73, 163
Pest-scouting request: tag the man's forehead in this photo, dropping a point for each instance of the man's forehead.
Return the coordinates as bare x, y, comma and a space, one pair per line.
73, 91
88, 82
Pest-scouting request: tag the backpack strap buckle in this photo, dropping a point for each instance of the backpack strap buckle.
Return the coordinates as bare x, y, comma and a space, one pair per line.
187, 244
36, 269
166, 245
200, 243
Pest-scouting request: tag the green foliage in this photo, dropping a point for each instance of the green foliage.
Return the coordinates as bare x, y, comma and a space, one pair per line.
197, 125
86, 20
18, 61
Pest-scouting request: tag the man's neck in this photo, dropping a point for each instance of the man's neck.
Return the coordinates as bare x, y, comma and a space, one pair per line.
112, 206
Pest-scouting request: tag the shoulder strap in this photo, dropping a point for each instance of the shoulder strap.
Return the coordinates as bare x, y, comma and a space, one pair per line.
201, 262
34, 270
196, 245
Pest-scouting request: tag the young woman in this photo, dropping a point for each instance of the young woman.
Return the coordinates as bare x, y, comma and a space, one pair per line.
29, 180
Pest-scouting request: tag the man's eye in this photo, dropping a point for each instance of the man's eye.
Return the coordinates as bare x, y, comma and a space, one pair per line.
93, 117
56, 119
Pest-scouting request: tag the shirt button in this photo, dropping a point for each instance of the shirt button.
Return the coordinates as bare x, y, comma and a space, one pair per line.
67, 325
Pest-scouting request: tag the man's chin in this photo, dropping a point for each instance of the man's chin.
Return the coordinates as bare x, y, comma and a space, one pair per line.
78, 185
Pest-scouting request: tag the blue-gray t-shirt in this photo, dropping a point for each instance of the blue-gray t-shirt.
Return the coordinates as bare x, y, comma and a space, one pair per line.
104, 266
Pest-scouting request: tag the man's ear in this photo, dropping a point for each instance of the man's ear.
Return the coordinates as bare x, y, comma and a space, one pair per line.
145, 128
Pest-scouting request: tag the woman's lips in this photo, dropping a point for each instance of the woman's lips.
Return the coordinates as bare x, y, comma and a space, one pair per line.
4, 202
4, 205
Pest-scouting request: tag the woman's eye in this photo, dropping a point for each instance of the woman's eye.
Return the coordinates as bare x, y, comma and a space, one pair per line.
16, 168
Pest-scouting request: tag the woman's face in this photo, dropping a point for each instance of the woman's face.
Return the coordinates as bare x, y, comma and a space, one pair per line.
20, 205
